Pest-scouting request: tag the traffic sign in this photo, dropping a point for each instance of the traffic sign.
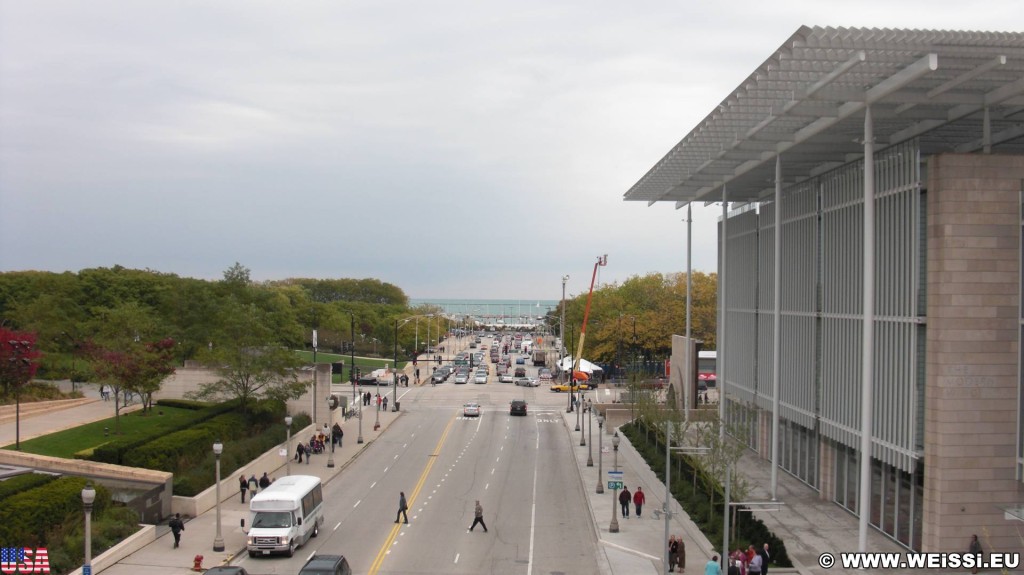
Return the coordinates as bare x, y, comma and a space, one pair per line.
614, 485
615, 475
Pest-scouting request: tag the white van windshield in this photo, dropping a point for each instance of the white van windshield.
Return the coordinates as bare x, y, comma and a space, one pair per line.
272, 519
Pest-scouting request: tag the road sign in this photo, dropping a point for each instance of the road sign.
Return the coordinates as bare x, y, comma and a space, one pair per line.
87, 570
615, 475
614, 485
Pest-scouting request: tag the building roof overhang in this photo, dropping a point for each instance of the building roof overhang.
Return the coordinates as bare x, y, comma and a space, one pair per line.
806, 104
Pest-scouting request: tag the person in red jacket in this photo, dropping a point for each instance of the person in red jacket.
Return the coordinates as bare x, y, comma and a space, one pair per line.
638, 500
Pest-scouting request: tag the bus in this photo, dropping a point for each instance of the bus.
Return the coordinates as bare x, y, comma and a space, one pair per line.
285, 515
707, 366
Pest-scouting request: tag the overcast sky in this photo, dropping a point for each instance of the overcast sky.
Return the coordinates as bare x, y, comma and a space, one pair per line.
459, 149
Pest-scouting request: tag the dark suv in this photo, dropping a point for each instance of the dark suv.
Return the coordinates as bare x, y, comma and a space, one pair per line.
517, 407
326, 565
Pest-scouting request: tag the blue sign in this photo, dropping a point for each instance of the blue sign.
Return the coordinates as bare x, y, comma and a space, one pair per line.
87, 570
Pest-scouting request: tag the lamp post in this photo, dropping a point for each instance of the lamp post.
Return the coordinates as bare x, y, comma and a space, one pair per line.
579, 416
590, 432
352, 375
668, 481
561, 337
218, 541
88, 497
613, 527
600, 448
329, 432
288, 446
572, 370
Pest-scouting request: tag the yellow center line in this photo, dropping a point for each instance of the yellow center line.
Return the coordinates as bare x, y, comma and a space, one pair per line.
411, 499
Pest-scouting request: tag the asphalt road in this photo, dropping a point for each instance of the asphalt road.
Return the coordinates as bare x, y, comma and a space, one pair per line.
518, 467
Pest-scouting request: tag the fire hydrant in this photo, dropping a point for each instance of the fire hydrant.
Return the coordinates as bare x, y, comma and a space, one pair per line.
197, 563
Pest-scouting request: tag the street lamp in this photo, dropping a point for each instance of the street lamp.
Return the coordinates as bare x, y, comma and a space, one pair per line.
329, 431
579, 415
288, 446
218, 541
590, 427
668, 482
352, 376
88, 497
600, 449
561, 327
613, 527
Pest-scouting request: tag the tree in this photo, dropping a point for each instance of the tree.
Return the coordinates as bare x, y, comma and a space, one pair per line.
249, 361
135, 368
19, 360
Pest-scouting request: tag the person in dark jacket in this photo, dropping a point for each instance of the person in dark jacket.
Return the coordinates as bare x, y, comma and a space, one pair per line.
337, 434
243, 485
625, 498
264, 481
403, 507
177, 526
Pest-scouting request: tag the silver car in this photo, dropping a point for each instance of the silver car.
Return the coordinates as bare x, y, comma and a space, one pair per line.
526, 382
480, 377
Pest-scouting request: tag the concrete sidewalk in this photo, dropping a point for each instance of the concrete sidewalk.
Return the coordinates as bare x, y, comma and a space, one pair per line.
638, 547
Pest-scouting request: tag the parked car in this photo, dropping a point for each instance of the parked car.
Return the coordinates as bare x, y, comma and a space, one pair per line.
326, 565
517, 407
471, 410
226, 570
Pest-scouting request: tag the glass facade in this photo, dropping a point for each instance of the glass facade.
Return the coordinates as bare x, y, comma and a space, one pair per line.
896, 496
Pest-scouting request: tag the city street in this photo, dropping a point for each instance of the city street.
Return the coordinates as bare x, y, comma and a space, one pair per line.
520, 468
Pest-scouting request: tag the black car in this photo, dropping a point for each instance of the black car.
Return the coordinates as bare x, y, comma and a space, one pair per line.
517, 407
326, 565
226, 570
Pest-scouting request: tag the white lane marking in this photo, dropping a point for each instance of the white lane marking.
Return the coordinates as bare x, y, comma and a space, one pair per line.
372, 484
357, 504
386, 469
396, 456
492, 471
486, 486
497, 460
533, 509
456, 558
405, 445
336, 526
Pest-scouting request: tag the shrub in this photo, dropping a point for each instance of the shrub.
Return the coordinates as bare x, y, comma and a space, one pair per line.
23, 482
26, 517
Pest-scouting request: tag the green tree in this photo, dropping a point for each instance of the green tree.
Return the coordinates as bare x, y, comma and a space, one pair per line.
249, 360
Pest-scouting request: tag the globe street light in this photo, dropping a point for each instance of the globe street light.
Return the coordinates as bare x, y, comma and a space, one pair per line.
600, 449
218, 541
288, 446
329, 432
613, 527
579, 415
88, 497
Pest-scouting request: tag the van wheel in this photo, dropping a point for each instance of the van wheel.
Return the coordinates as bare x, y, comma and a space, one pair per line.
252, 554
316, 529
291, 549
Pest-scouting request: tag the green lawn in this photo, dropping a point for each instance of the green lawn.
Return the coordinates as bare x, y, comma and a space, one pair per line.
90, 436
364, 363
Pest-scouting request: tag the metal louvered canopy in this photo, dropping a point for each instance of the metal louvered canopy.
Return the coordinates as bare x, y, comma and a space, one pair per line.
806, 103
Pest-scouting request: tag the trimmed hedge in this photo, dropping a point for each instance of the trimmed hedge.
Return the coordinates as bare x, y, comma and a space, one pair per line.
23, 482
26, 517
649, 443
114, 451
181, 449
195, 478
183, 403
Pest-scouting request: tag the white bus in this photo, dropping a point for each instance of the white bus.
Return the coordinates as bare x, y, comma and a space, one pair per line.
707, 367
285, 515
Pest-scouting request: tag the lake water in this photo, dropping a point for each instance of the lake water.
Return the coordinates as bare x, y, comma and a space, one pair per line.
510, 310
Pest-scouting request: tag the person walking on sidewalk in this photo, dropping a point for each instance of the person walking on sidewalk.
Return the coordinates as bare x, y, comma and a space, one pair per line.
681, 556
385, 403
638, 500
403, 507
673, 553
264, 481
337, 434
176, 528
243, 485
624, 499
254, 486
478, 517
765, 557
712, 567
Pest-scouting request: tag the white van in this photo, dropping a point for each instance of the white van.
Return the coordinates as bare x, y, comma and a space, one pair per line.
285, 515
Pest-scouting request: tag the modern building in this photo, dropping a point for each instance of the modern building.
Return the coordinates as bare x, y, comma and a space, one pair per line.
904, 319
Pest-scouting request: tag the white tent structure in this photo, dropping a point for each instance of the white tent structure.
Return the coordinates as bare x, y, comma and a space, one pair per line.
585, 366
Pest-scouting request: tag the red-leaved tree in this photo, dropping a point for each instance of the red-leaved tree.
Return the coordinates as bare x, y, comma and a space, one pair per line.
138, 369
18, 360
